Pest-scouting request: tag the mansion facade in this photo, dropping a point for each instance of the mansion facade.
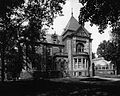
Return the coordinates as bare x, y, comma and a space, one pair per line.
71, 52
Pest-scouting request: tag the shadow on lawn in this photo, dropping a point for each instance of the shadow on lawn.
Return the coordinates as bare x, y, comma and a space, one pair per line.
51, 88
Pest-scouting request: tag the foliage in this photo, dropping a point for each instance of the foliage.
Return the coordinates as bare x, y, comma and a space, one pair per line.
6, 28
7, 5
100, 12
110, 51
93, 55
19, 40
107, 49
116, 39
103, 13
115, 34
38, 14
14, 64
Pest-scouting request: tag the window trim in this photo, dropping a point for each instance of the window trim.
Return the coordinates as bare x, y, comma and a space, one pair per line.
79, 47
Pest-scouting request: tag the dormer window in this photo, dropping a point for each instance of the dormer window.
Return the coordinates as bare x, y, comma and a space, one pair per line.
54, 38
80, 47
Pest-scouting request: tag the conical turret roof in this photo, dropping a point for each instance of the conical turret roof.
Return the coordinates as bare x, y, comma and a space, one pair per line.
72, 24
76, 28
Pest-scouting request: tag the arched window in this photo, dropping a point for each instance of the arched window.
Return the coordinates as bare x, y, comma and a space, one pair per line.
80, 47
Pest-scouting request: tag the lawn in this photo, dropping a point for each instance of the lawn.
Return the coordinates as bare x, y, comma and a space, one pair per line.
61, 87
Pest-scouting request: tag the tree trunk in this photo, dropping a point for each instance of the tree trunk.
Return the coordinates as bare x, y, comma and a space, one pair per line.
3, 64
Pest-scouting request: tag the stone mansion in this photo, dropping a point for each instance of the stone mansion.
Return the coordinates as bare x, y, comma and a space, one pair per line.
73, 47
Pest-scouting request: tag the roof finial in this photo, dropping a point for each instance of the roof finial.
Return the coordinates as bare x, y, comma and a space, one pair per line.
71, 11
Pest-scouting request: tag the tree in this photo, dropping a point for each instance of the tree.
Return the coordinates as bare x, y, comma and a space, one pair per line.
38, 14
93, 55
103, 13
109, 50
15, 35
100, 12
106, 49
6, 7
116, 39
14, 64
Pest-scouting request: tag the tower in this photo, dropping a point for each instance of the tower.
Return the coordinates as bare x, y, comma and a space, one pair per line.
78, 47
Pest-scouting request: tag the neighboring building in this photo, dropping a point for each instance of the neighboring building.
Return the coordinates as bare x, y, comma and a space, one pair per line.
103, 66
73, 47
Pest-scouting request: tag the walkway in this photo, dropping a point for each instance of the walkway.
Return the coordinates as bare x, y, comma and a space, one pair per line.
112, 79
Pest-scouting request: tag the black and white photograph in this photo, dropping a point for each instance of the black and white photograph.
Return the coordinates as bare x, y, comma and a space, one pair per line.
59, 48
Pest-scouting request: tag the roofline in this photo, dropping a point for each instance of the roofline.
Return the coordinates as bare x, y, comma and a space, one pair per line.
52, 34
68, 23
68, 30
49, 44
86, 29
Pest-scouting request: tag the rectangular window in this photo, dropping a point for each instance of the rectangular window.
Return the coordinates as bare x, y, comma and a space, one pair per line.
79, 60
75, 74
83, 62
79, 73
75, 63
79, 63
86, 63
50, 51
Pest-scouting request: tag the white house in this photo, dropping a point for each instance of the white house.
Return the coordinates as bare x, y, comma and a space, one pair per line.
103, 66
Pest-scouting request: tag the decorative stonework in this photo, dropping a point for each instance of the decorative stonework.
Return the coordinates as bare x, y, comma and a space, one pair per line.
77, 48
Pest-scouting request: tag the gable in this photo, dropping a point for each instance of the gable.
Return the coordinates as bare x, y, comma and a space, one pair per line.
82, 32
73, 28
101, 62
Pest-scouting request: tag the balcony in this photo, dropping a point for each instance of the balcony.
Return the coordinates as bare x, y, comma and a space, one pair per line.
60, 54
81, 53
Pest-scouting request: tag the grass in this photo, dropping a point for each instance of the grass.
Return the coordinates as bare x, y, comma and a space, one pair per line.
73, 87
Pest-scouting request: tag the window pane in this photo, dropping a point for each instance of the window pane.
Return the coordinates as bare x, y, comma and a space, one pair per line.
79, 63
83, 62
75, 63
80, 48
75, 60
79, 60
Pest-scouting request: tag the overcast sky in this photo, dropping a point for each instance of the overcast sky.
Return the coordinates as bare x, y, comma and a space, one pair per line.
61, 22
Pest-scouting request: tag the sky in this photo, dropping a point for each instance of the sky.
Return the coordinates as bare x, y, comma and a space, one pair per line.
61, 21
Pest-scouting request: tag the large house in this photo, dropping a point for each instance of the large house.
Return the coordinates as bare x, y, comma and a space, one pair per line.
72, 51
